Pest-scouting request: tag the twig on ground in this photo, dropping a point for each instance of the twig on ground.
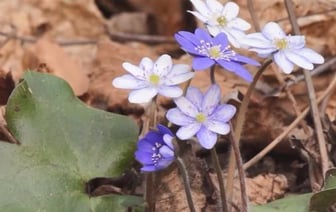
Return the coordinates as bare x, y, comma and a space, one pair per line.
311, 95
277, 140
150, 39
30, 39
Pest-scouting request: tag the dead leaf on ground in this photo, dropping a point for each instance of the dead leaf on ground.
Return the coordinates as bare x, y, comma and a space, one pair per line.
58, 63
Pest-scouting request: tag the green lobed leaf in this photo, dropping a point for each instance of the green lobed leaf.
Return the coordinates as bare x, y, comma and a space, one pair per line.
325, 200
293, 203
64, 144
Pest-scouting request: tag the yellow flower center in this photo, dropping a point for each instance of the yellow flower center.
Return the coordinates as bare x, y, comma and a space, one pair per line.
214, 52
221, 20
154, 79
281, 43
200, 117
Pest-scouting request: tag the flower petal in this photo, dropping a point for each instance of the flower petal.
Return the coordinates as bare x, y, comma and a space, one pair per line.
223, 113
163, 65
218, 127
311, 55
257, 40
143, 95
221, 39
206, 138
296, 42
168, 139
187, 43
143, 157
281, 60
298, 60
180, 73
146, 64
134, 70
273, 31
128, 81
177, 117
198, 15
214, 6
201, 63
164, 130
201, 34
237, 69
201, 7
166, 152
186, 106
186, 132
214, 29
195, 96
230, 10
247, 60
170, 91
239, 24
234, 36
163, 163
211, 99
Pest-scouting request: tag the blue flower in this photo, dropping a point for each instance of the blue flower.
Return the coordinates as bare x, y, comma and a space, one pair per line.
286, 50
201, 115
155, 151
209, 50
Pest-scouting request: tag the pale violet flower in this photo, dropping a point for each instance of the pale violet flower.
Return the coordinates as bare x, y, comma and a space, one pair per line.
221, 18
286, 50
201, 115
152, 78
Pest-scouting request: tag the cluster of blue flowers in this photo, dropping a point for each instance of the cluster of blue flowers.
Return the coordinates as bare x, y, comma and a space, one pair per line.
197, 113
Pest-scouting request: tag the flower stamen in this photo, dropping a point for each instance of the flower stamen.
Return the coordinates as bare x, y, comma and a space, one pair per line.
221, 20
281, 43
200, 117
154, 79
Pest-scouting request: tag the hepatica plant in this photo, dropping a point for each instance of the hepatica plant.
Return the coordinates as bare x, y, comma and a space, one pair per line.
199, 115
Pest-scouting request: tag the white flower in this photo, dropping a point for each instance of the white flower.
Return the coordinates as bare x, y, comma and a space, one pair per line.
150, 78
286, 50
221, 18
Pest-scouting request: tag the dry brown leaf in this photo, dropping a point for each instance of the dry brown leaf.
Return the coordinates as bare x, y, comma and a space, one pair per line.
58, 63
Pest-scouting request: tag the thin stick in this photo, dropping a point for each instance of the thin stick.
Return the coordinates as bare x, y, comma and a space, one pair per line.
253, 15
222, 201
186, 181
277, 140
311, 95
241, 173
239, 127
30, 39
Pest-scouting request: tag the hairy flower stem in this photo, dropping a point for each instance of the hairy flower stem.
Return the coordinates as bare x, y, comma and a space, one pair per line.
311, 96
151, 121
186, 182
239, 127
241, 173
222, 200
212, 74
